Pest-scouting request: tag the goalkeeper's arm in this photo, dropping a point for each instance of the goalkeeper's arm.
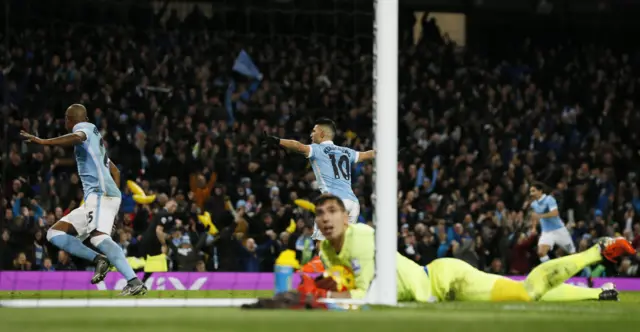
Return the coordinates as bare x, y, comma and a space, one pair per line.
325, 287
363, 274
357, 293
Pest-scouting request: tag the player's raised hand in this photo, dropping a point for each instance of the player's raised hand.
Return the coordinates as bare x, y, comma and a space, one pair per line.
30, 138
267, 140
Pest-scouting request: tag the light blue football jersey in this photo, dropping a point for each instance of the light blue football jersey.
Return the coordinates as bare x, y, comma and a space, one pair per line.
332, 166
546, 204
93, 163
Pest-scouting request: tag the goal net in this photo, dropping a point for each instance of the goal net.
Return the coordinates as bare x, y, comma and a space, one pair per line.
181, 92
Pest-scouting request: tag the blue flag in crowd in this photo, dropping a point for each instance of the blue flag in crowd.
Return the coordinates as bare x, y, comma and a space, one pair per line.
244, 66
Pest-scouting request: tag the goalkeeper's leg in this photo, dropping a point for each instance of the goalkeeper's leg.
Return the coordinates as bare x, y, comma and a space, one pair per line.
567, 293
553, 273
506, 289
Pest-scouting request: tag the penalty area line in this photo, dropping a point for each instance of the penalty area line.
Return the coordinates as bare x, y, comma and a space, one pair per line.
151, 303
126, 303
139, 302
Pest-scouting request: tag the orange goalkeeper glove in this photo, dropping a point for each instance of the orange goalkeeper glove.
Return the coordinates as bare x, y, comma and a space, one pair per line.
308, 286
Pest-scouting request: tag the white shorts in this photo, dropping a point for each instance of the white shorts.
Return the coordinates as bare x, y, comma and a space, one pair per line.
353, 209
97, 213
558, 237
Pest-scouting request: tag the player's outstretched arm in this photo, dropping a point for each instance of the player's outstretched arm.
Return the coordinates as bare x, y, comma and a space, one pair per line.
65, 140
295, 146
115, 173
288, 144
366, 155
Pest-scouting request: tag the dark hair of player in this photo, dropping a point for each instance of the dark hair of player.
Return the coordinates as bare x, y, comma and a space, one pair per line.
328, 123
324, 198
539, 185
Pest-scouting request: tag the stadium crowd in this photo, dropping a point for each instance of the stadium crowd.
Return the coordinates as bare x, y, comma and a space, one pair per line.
475, 131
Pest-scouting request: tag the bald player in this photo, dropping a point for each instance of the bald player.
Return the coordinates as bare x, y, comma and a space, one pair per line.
331, 165
94, 219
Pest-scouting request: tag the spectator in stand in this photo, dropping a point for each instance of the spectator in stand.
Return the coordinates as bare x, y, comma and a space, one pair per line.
186, 255
20, 263
47, 265
252, 254
40, 251
520, 261
6, 250
64, 262
305, 245
201, 189
465, 251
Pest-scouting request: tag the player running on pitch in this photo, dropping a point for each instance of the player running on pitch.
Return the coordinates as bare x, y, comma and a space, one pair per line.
449, 279
554, 232
331, 165
102, 198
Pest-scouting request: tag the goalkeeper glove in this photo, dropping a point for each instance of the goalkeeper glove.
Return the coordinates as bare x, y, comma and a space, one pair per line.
308, 286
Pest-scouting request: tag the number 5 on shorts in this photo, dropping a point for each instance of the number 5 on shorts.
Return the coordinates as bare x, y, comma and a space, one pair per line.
89, 217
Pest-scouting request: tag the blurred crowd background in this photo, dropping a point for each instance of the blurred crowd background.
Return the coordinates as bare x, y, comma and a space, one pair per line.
541, 101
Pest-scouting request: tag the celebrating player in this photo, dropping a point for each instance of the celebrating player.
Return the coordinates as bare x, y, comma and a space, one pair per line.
102, 197
448, 279
545, 210
331, 164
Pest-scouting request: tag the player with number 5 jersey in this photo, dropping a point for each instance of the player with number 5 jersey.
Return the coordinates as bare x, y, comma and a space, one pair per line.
93, 163
331, 164
95, 218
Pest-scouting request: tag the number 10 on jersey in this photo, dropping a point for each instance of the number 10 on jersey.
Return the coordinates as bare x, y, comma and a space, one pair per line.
341, 166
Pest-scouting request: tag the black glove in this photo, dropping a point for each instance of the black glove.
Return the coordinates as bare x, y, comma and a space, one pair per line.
269, 140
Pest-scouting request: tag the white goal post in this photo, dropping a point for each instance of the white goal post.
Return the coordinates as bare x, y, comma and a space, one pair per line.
385, 108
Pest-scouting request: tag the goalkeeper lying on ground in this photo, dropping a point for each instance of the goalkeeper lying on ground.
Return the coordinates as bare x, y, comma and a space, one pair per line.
448, 279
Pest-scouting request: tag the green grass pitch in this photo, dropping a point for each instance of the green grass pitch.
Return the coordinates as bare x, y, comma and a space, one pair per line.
465, 317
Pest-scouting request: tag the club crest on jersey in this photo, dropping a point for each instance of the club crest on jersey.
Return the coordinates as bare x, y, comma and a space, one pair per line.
355, 266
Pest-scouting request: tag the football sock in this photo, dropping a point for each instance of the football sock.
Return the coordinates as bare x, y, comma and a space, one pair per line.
566, 292
116, 257
73, 245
